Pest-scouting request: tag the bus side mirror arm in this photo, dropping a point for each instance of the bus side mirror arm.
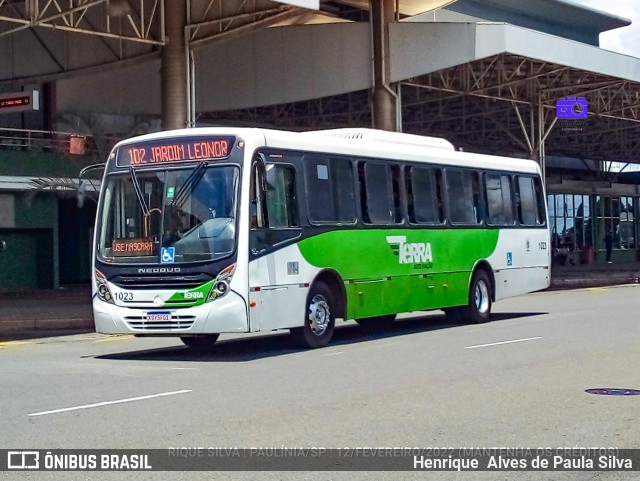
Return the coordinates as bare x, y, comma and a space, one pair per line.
260, 173
261, 170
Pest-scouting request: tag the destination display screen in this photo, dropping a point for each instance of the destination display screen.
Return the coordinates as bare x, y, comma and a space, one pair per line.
19, 101
132, 247
175, 150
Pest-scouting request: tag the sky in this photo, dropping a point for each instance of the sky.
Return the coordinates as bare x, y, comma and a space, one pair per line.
623, 40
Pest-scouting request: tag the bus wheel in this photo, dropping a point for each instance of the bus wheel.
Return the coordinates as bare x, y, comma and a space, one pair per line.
377, 323
319, 319
479, 308
201, 343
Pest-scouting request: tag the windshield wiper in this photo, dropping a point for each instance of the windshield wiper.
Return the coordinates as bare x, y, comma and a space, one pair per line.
189, 185
139, 194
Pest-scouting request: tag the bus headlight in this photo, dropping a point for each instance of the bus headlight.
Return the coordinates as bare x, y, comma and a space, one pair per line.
221, 285
104, 294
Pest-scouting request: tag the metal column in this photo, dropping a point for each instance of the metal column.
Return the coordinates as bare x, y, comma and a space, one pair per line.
174, 67
384, 99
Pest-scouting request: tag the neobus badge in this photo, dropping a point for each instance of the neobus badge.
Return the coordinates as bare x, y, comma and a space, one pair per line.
410, 252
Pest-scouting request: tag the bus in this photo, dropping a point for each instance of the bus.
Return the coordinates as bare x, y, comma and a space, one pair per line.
216, 230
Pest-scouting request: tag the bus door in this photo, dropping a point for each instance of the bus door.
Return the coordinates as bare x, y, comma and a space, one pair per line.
274, 274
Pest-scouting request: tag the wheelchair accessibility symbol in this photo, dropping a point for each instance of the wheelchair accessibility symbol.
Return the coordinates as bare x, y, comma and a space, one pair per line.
167, 255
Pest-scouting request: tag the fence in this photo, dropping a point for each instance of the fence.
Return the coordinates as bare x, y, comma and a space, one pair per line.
54, 141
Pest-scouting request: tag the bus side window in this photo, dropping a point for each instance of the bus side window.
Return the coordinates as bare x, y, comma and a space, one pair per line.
499, 203
273, 206
280, 195
463, 197
526, 197
439, 195
423, 195
398, 216
329, 184
376, 193
478, 209
541, 210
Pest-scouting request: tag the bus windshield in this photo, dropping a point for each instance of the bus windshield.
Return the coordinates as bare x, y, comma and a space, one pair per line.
189, 211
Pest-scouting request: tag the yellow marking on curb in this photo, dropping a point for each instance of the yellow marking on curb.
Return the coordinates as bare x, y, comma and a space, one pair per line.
125, 337
597, 289
13, 343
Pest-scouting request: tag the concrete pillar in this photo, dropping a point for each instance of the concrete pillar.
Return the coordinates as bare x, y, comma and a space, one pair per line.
384, 100
174, 67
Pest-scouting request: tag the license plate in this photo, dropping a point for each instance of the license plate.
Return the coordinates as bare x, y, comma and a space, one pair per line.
159, 316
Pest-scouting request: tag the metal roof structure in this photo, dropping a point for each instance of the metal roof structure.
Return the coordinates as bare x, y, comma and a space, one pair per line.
43, 40
495, 91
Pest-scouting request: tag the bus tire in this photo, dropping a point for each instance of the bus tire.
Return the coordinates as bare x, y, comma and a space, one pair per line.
319, 319
479, 308
201, 343
377, 323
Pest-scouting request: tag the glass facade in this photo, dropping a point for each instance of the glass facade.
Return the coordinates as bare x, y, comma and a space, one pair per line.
581, 222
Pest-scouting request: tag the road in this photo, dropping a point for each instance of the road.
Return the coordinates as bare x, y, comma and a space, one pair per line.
518, 381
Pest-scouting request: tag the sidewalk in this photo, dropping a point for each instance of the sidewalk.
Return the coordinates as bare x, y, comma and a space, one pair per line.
597, 275
45, 311
24, 313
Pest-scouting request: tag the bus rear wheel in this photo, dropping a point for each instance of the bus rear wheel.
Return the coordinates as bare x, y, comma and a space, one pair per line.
478, 309
319, 319
201, 343
377, 323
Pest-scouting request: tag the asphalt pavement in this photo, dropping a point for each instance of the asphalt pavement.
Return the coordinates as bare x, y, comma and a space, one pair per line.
524, 380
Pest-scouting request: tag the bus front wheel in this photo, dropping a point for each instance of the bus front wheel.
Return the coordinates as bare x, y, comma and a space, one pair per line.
319, 319
200, 343
478, 309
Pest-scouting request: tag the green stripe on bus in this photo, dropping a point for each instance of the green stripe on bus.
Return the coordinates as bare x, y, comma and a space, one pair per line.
390, 271
191, 297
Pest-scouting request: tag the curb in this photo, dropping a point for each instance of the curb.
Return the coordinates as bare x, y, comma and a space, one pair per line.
45, 324
594, 282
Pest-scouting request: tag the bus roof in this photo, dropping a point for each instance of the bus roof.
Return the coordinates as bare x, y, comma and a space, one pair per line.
385, 136
362, 142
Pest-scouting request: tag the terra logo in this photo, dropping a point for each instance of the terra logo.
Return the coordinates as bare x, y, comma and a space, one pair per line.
410, 252
193, 295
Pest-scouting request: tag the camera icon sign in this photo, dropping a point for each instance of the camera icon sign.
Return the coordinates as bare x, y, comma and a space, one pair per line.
572, 108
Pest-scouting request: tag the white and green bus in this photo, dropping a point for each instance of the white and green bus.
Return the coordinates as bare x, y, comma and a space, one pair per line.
235, 230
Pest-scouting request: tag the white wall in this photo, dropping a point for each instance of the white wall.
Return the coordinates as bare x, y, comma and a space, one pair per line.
284, 64
133, 90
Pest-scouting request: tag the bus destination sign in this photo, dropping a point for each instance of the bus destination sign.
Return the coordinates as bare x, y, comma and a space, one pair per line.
19, 101
175, 150
133, 247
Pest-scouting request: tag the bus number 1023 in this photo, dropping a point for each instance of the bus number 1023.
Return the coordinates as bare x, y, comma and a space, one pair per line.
124, 296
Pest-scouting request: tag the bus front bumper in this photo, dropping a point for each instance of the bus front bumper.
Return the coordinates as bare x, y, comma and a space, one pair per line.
227, 314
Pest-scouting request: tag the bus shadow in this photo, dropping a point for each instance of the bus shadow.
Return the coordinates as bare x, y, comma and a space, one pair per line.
281, 344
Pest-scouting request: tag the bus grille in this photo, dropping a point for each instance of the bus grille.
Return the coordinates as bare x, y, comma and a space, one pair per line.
177, 322
160, 282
